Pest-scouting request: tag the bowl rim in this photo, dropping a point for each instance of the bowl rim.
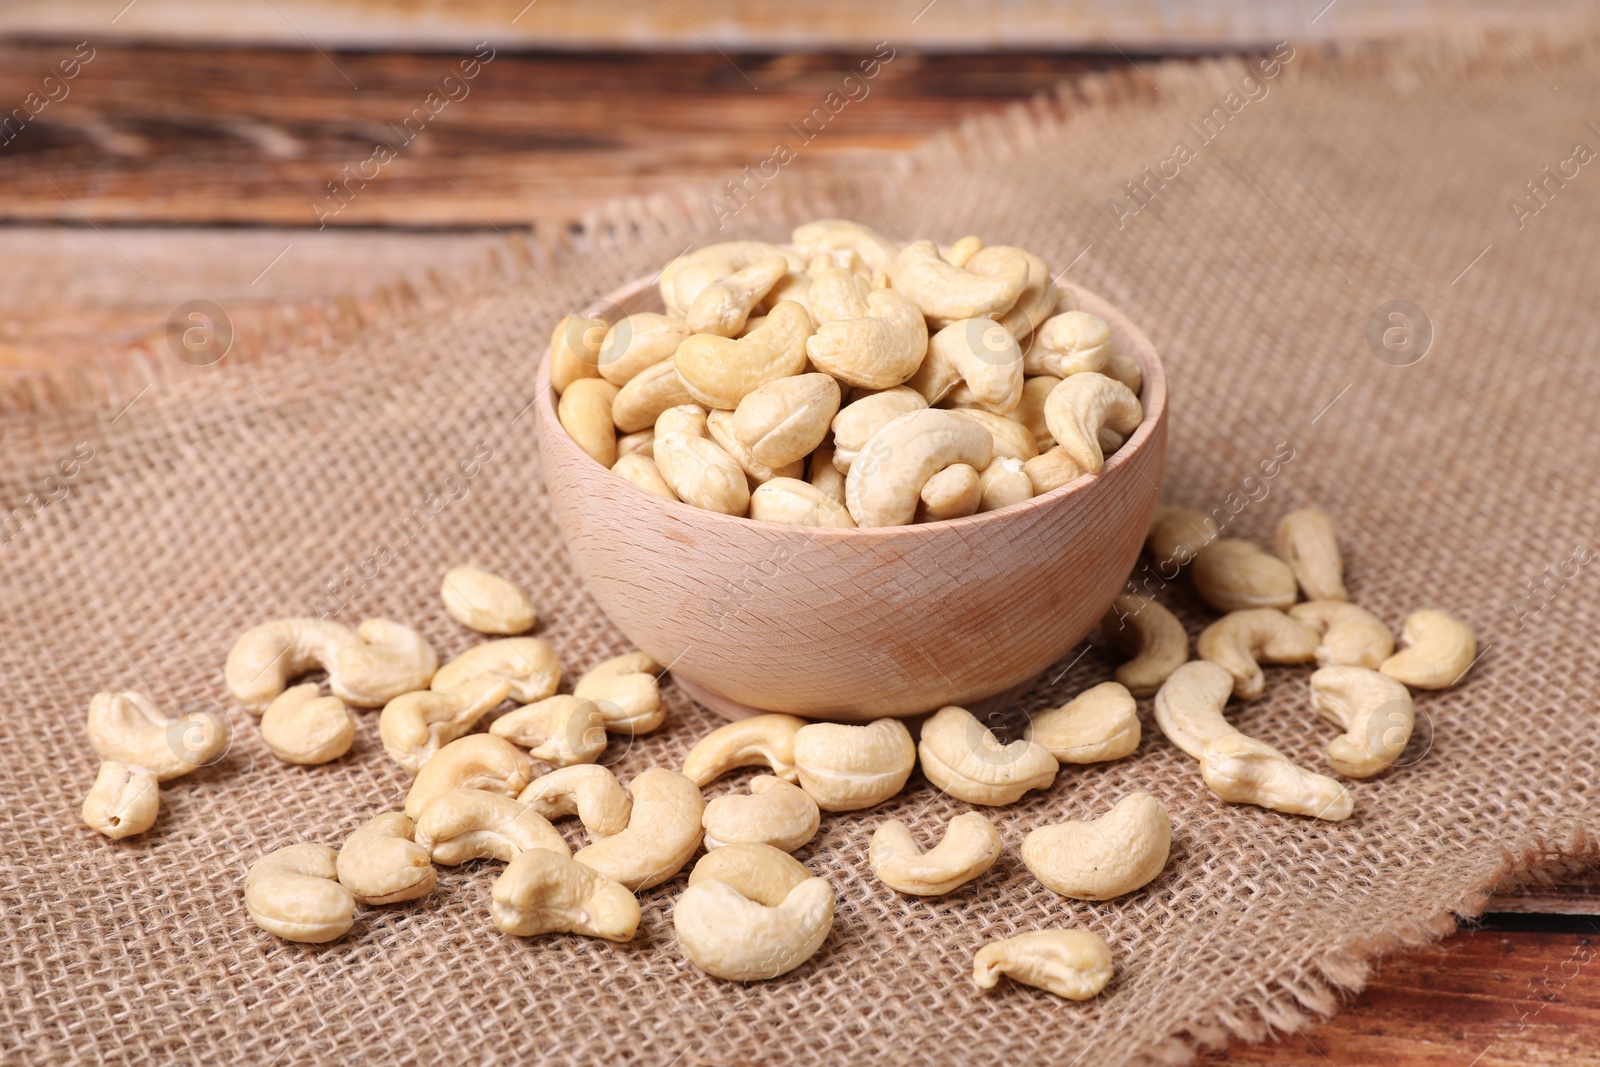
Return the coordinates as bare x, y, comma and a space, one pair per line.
1153, 399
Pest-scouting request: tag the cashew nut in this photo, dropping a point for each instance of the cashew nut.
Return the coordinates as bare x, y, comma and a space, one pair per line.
722, 307
1306, 540
389, 659
527, 663
642, 471
1002, 483
884, 483
719, 371
590, 792
650, 392
1241, 641
416, 725
1242, 770
381, 864
764, 740
837, 293
858, 420
474, 824
584, 411
879, 350
1230, 574
544, 892
663, 832
971, 845
639, 341
796, 503
946, 293
1351, 636
265, 657
1097, 859
963, 249
1153, 634
477, 761
986, 357
1052, 469
627, 692
963, 758
698, 469
1036, 302
952, 493
773, 813
126, 727
719, 424
1077, 409
123, 801
1075, 964
575, 351
301, 727
1178, 534
1189, 705
846, 768
485, 602
684, 278
295, 893
1074, 342
783, 421
826, 235
730, 936
561, 730
1012, 440
1099, 724
1375, 711
826, 477
1436, 649
757, 872
1030, 409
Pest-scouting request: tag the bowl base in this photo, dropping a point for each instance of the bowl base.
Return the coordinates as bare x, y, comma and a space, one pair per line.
732, 710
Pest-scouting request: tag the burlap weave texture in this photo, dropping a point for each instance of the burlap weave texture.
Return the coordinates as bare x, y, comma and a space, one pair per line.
231, 494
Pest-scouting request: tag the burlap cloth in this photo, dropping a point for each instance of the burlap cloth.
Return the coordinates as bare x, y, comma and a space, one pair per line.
231, 494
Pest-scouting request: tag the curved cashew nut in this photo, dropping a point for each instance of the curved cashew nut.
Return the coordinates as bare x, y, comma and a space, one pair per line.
639, 341
584, 411
381, 864
1436, 648
474, 824
1052, 469
477, 761
1099, 724
575, 351
123, 801
1230, 575
389, 660
527, 663
301, 727
858, 420
483, 601
1242, 640
970, 846
642, 471
1036, 302
640, 403
561, 730
1125, 369
416, 725
626, 690
883, 485
846, 768
953, 493
764, 740
773, 813
963, 758
986, 357
1189, 705
1012, 440
722, 307
1178, 534
758, 872
1097, 859
1155, 637
1075, 964
785, 420
837, 293
127, 727
1375, 711
265, 657
946, 293
1074, 342
1351, 636
590, 792
719, 371
963, 250
663, 832
684, 278
700, 471
1081, 406
796, 503
827, 477
1030, 409
826, 235
1242, 770
728, 935
719, 424
543, 892
1002, 483
1305, 539
295, 893
879, 350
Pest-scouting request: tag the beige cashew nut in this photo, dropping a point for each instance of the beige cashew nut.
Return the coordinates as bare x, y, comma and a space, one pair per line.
527, 663
946, 293
663, 832
295, 894
474, 824
858, 420
483, 601
389, 660
1052, 469
1241, 641
719, 424
636, 342
1189, 705
1075, 964
1153, 634
884, 482
827, 235
1177, 535
123, 801
761, 740
785, 420
1351, 636
970, 846
1099, 724
964, 759
642, 441
1231, 575
561, 730
986, 357
626, 690
1305, 539
773, 813
1242, 770
1081, 406
642, 471
1375, 711
1098, 859
684, 278
722, 307
266, 657
719, 371
796, 503
1037, 301
1436, 649
846, 768
299, 726
381, 864
1002, 483
729, 936
584, 411
953, 493
416, 725
640, 403
1073, 342
477, 761
879, 350
586, 790
543, 892
757, 872
1029, 411
575, 351
700, 471
127, 727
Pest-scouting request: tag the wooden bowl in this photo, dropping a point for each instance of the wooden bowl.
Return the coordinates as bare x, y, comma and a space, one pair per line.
854, 625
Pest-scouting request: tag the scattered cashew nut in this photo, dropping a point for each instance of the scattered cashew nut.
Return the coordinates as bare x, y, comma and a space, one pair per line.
1099, 724
1351, 636
970, 846
561, 730
475, 824
761, 740
477, 761
1075, 964
1375, 711
1242, 770
1177, 535
663, 832
1155, 637
299, 726
127, 727
728, 935
1436, 649
295, 894
485, 602
381, 864
773, 813
123, 801
543, 892
416, 725
1230, 575
963, 758
1305, 540
586, 790
846, 768
626, 690
527, 663
1241, 641
1098, 859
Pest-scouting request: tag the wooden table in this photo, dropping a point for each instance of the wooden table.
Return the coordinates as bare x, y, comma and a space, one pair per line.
167, 174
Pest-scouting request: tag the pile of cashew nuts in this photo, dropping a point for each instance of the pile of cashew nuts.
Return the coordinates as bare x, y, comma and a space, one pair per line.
848, 381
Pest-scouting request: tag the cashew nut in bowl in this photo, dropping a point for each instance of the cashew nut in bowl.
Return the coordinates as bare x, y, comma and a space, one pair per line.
946, 293
295, 894
1231, 575
1099, 724
1305, 540
389, 659
474, 824
1125, 369
837, 293
1436, 648
858, 420
590, 792
1351, 636
642, 471
381, 864
879, 350
773, 813
561, 730
626, 690
637, 342
477, 761
299, 726
1002, 483
722, 307
640, 403
963, 758
527, 663
846, 768
826, 235
796, 503
1036, 302
884, 482
700, 471
1375, 711
483, 601
785, 420
123, 801
663, 832
970, 846
719, 371
544, 892
1052, 469
1073, 342
1077, 409
266, 657
1189, 705
953, 493
1098, 859
575, 351
761, 740
1030, 409
127, 727
1242, 770
962, 250
684, 278
825, 477
728, 935
986, 357
1241, 641
1178, 534
414, 726
1155, 637
719, 424
1075, 964
584, 411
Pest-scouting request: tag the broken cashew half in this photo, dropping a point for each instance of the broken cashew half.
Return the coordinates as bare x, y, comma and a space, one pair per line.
483, 601
1084, 404
846, 768
1305, 540
543, 892
381, 864
1075, 964
527, 663
123, 801
886, 479
1099, 724
761, 740
477, 761
416, 725
971, 845
1153, 634
127, 727
964, 759
1241, 641
1351, 636
773, 813
295, 893
1098, 859
729, 935
590, 792
1436, 648
1375, 711
475, 824
663, 832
